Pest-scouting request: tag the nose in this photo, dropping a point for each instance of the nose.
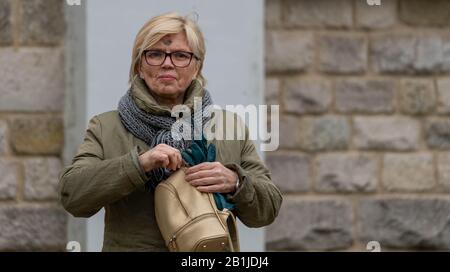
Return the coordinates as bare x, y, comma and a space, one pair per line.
167, 62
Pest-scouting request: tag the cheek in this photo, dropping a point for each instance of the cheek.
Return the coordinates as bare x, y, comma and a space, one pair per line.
189, 74
185, 80
149, 74
146, 70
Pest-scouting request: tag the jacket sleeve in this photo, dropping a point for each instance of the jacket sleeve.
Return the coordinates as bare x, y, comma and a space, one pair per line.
257, 199
92, 182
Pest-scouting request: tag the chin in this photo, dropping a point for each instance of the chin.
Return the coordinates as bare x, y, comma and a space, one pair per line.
169, 92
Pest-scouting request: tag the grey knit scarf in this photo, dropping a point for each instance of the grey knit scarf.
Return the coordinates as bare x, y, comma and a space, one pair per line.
156, 129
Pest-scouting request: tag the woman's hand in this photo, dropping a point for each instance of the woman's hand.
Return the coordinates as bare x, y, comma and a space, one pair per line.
161, 155
212, 177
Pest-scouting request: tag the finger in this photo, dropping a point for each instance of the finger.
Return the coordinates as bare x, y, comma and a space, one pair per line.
173, 155
201, 174
180, 160
174, 159
161, 160
218, 188
167, 148
204, 181
201, 166
163, 146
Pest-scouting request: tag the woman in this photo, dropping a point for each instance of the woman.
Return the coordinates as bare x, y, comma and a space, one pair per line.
127, 152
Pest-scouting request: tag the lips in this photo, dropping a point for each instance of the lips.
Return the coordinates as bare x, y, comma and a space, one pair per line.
167, 77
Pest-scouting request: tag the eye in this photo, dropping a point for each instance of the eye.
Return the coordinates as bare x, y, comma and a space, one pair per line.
154, 54
182, 55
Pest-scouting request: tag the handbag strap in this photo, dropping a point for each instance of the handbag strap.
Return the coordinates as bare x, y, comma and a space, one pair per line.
228, 226
232, 227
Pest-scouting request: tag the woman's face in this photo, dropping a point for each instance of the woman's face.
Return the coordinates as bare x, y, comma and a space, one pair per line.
166, 81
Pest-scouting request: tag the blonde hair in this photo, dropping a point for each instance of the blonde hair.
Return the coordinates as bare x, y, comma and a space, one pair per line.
158, 27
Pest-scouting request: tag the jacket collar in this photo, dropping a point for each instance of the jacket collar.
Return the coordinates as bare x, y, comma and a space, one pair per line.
145, 101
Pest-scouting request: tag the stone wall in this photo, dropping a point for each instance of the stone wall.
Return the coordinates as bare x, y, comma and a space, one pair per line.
365, 136
31, 124
364, 94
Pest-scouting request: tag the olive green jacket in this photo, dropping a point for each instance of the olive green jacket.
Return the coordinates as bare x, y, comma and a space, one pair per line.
106, 173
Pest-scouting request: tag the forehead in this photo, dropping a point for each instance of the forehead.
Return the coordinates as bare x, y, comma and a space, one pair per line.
173, 41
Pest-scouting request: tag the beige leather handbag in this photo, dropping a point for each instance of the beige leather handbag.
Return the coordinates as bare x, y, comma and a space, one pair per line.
189, 220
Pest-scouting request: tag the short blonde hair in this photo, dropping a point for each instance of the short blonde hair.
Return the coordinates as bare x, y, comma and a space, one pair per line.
158, 27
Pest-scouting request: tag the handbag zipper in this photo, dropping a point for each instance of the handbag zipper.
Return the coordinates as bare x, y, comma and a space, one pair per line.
172, 240
172, 243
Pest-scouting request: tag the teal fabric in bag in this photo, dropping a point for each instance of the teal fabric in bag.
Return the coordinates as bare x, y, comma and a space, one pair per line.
200, 152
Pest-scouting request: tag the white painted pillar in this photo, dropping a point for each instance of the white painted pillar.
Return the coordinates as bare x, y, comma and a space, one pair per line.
233, 67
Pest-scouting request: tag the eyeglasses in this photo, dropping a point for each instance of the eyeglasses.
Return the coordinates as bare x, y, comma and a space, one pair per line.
179, 58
